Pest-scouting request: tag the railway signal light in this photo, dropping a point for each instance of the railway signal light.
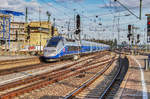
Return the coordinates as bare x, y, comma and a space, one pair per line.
78, 21
132, 42
77, 24
138, 38
129, 28
128, 36
148, 25
129, 31
77, 31
138, 41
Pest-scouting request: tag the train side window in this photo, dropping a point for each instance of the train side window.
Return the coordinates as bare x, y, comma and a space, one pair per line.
74, 48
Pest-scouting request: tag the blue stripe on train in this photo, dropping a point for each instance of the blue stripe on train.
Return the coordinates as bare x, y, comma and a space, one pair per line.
83, 50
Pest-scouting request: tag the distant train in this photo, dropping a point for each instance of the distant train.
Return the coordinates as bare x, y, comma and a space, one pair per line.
59, 47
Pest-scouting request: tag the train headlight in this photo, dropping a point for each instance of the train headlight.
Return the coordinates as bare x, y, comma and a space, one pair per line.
53, 54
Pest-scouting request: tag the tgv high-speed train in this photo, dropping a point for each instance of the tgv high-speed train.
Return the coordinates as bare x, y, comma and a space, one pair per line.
59, 47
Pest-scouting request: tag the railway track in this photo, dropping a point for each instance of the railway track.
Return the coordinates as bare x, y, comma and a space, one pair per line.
113, 87
106, 90
38, 81
7, 68
78, 93
15, 61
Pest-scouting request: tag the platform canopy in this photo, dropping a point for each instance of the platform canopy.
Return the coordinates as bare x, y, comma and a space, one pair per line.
11, 12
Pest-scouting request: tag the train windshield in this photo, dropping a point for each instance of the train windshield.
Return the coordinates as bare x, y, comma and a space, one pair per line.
53, 42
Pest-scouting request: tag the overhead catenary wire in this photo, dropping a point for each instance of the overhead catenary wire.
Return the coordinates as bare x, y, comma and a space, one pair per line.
56, 8
108, 6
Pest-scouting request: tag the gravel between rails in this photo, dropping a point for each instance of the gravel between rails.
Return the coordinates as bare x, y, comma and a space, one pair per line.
30, 75
62, 88
97, 87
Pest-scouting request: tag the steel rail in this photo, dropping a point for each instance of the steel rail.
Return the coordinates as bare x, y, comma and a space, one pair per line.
111, 83
90, 81
52, 74
34, 66
13, 61
40, 84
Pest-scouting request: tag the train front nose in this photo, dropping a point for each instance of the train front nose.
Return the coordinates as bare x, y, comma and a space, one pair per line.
50, 52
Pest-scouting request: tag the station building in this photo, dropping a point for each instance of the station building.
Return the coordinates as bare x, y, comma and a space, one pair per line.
17, 31
16, 36
4, 31
39, 33
6, 34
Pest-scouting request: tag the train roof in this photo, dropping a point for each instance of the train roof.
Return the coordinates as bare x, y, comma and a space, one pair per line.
75, 42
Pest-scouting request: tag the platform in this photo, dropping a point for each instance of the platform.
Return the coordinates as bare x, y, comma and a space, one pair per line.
136, 84
14, 57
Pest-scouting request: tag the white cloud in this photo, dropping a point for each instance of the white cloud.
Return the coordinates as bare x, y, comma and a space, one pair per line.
19, 5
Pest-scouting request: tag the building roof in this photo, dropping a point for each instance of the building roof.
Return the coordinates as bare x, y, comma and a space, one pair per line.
11, 12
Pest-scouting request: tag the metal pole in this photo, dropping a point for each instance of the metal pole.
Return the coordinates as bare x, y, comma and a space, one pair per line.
40, 27
114, 28
140, 14
4, 31
9, 31
133, 38
68, 25
26, 17
54, 26
74, 18
118, 30
3, 28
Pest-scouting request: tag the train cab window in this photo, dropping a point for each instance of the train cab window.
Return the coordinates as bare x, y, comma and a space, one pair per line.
53, 42
70, 40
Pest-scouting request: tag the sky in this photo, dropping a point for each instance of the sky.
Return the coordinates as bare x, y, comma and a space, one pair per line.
111, 15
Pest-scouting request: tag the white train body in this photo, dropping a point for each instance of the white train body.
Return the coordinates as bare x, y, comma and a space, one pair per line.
58, 47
